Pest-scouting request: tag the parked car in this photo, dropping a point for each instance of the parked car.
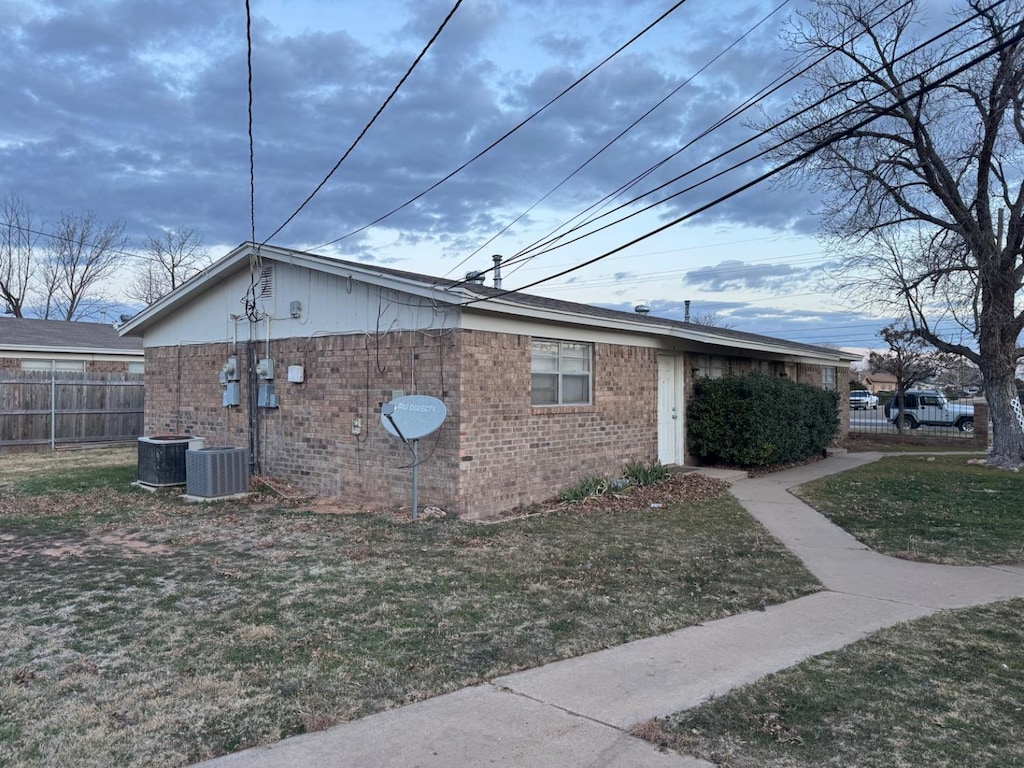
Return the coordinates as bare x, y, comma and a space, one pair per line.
861, 398
929, 407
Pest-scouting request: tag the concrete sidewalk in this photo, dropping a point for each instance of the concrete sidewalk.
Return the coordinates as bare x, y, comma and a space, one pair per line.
573, 713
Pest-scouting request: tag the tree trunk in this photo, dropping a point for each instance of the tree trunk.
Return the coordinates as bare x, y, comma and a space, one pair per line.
1000, 391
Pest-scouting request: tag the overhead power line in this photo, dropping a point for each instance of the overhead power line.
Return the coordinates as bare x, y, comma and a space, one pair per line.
622, 133
554, 243
366, 127
509, 132
800, 157
252, 149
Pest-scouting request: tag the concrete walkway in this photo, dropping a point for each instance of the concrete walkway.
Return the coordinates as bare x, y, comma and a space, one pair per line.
573, 713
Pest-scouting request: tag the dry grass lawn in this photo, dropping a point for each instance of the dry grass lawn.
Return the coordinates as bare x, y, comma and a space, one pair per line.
136, 630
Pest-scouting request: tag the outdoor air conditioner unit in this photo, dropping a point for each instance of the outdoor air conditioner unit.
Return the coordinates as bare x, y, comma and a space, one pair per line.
162, 458
217, 471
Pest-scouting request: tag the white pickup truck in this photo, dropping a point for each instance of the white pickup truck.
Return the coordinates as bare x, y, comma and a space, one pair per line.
929, 407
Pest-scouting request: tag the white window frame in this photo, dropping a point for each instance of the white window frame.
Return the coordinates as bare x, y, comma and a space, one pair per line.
559, 367
61, 366
829, 381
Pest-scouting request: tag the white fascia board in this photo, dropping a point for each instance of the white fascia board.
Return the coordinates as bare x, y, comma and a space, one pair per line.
21, 350
367, 274
709, 338
184, 292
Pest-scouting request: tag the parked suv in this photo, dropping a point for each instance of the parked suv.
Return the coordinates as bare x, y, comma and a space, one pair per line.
861, 398
929, 407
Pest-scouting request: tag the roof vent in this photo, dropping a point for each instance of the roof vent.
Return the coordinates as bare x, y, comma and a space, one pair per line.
267, 281
642, 309
475, 276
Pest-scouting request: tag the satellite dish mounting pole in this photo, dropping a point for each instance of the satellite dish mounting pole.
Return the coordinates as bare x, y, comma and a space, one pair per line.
420, 415
414, 444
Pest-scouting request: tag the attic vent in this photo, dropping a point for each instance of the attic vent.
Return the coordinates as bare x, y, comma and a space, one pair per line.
267, 281
475, 276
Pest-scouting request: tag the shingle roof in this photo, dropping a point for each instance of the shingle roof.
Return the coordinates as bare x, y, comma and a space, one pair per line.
591, 310
500, 301
39, 334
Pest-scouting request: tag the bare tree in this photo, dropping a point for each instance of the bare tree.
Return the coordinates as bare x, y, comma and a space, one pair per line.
712, 319
922, 170
17, 251
80, 256
909, 360
168, 261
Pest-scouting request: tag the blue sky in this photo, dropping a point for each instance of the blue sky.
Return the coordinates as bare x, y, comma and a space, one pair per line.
137, 111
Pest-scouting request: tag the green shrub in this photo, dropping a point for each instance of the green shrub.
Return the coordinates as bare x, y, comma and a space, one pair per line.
592, 486
758, 420
641, 473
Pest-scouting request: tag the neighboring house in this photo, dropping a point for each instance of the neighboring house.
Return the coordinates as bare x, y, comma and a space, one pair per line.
879, 382
45, 345
540, 393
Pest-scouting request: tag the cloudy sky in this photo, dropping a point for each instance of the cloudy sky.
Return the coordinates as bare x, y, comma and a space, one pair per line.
137, 111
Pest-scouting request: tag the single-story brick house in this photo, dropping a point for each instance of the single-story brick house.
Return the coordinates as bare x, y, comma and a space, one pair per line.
43, 345
879, 381
540, 393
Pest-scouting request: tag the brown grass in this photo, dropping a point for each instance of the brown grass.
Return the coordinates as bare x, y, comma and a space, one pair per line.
140, 631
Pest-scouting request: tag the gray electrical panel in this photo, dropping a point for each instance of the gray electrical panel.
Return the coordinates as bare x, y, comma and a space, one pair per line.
232, 394
266, 397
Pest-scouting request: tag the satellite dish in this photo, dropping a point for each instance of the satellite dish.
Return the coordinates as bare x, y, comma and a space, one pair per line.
413, 416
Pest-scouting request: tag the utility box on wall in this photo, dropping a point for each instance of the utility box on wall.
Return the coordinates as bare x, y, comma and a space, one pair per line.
232, 394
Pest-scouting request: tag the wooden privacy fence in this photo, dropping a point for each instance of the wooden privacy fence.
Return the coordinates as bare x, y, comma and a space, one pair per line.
63, 408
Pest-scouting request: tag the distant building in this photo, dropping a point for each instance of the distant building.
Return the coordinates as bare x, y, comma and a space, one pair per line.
44, 345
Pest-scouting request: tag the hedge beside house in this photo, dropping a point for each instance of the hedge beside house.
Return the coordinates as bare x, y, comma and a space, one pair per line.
758, 420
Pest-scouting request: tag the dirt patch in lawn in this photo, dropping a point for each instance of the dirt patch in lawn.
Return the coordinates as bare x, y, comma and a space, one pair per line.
119, 545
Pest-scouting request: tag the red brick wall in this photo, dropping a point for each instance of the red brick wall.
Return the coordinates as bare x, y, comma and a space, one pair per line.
183, 394
308, 440
495, 451
513, 454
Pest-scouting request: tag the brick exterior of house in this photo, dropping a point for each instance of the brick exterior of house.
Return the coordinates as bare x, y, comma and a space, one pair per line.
352, 329
494, 452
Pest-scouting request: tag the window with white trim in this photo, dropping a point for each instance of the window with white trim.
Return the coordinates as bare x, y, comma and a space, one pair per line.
30, 364
136, 367
828, 377
561, 372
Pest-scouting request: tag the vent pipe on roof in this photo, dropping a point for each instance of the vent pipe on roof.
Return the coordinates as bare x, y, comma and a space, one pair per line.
686, 311
497, 270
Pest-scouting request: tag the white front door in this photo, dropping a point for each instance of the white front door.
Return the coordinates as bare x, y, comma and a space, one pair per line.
670, 409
